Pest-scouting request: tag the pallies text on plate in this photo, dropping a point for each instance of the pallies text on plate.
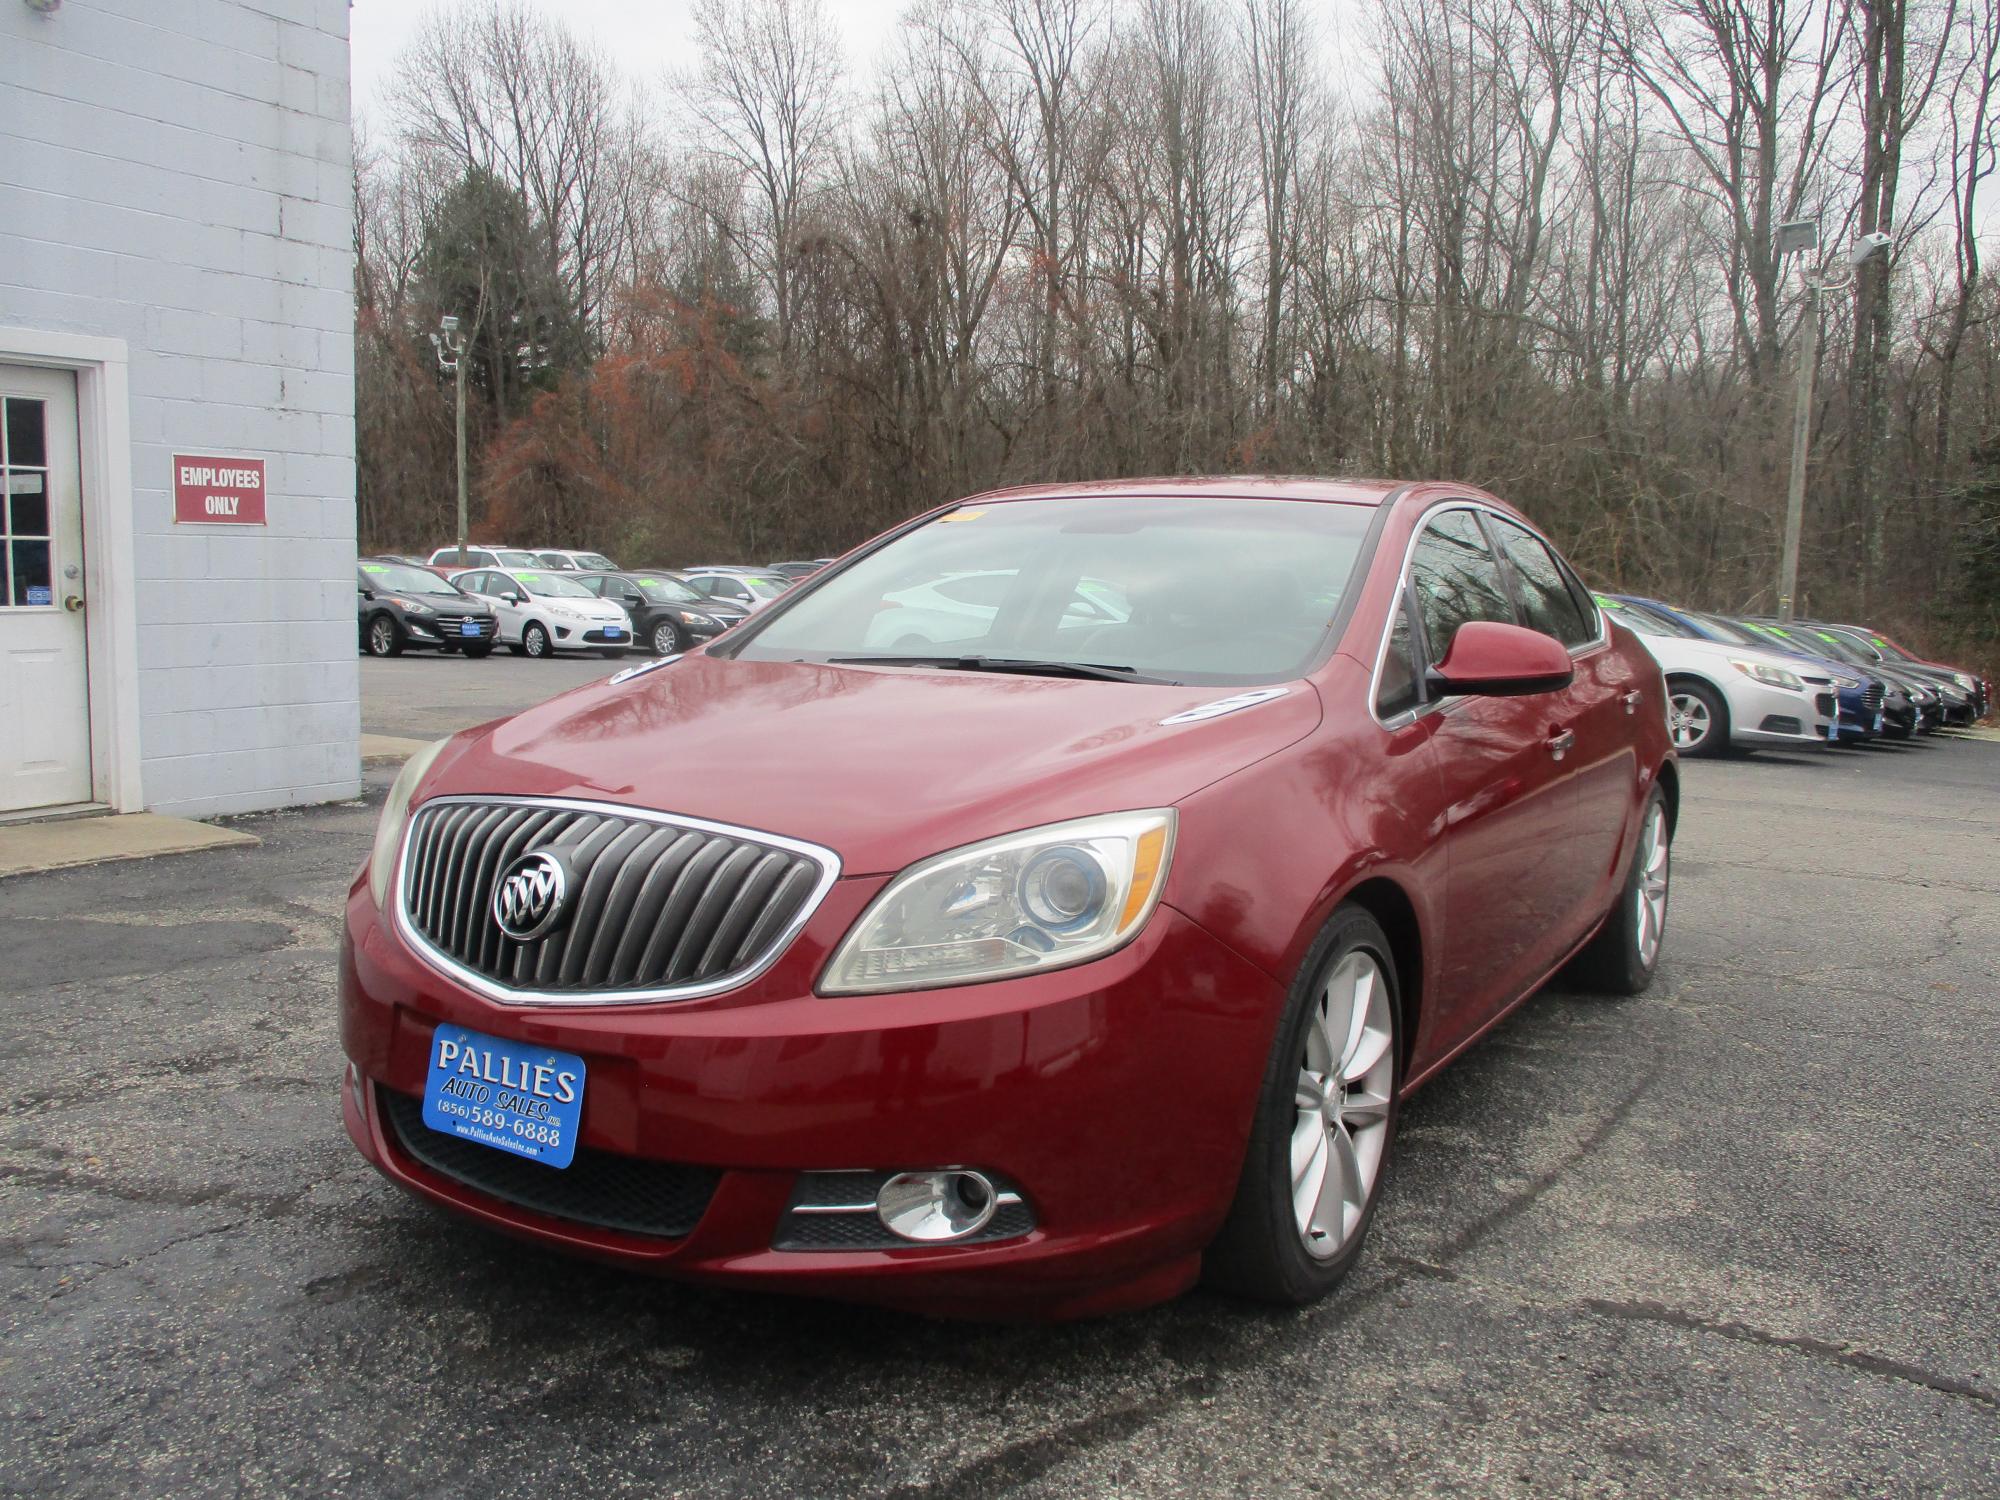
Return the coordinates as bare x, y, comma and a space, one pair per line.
538, 1079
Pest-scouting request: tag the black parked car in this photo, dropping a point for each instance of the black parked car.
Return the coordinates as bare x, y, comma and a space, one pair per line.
401, 606
667, 615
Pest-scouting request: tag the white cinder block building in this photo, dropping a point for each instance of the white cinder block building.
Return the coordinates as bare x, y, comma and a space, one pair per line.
177, 624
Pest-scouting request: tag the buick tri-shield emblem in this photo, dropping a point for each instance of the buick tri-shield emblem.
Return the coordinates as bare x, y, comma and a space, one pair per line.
532, 896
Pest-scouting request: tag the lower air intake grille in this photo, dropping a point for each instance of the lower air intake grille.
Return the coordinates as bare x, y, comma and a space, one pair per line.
597, 1187
1872, 700
1826, 705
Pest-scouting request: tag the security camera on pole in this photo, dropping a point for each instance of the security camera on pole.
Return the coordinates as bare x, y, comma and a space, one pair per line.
1796, 236
451, 356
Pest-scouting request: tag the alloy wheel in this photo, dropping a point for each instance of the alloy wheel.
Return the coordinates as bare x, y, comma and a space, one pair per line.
666, 639
382, 636
1689, 719
535, 640
1345, 1078
1650, 890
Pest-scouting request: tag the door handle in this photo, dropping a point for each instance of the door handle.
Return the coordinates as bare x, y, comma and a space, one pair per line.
72, 602
1561, 742
1631, 702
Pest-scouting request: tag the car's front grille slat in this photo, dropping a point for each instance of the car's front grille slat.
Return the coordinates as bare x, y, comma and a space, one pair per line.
629, 961
655, 905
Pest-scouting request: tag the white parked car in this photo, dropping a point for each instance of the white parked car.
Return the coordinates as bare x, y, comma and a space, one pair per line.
1720, 695
567, 560
541, 612
752, 591
485, 557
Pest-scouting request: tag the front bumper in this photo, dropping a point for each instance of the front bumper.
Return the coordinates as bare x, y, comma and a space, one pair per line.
1760, 714
1116, 1095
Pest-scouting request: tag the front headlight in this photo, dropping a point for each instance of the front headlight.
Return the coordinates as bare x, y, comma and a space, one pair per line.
414, 606
1769, 675
1042, 899
395, 813
689, 617
1965, 680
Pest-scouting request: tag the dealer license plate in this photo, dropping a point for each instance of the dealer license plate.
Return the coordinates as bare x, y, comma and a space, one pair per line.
612, 632
468, 627
507, 1095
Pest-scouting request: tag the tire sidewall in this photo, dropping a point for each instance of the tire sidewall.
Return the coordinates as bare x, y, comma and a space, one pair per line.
1717, 737
1263, 1206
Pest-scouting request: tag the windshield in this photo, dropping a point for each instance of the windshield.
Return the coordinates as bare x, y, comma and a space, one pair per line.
552, 586
1729, 631
763, 588
403, 579
1185, 589
596, 561
514, 559
666, 591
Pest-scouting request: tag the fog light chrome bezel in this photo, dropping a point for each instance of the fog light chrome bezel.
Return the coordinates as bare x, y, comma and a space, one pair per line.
935, 1207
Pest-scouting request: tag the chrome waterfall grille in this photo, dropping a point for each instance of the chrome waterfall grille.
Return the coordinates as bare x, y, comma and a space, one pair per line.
649, 906
1872, 699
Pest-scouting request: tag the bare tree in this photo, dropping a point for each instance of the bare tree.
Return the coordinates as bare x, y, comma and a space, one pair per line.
766, 99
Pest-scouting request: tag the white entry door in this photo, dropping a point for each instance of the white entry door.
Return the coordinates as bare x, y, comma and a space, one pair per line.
44, 681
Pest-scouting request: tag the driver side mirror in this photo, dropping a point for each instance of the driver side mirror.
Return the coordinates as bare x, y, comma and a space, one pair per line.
1487, 659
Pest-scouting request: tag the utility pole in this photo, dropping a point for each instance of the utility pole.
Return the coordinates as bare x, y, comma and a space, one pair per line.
1793, 236
451, 340
1795, 493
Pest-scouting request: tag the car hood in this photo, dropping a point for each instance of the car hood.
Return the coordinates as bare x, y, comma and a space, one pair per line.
882, 765
1674, 651
595, 609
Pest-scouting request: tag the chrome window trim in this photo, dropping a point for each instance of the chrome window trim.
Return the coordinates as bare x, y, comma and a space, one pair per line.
826, 859
1410, 716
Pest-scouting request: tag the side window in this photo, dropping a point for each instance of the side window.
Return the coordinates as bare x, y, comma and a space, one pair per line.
1400, 689
597, 586
1457, 580
1546, 602
732, 589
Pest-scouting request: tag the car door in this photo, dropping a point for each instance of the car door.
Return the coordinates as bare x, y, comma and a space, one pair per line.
1597, 707
1508, 790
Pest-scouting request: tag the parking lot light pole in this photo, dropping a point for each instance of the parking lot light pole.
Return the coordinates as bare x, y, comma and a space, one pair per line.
1799, 235
452, 341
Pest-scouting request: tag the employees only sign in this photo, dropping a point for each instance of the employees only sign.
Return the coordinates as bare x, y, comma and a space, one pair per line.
218, 491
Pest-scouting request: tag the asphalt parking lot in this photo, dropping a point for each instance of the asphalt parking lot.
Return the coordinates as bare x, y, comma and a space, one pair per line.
1739, 1235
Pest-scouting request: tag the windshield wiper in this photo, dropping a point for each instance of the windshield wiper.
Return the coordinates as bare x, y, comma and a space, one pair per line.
1022, 665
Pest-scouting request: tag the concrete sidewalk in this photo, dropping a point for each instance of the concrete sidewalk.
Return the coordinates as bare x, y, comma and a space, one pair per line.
60, 844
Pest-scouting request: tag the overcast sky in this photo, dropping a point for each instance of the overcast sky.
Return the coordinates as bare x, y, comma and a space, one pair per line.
646, 37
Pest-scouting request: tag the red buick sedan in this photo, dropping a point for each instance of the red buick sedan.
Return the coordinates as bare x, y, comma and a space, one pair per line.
1045, 906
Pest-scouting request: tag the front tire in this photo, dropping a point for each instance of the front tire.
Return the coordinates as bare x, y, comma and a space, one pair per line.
535, 640
1325, 1122
1697, 717
1624, 956
385, 636
666, 639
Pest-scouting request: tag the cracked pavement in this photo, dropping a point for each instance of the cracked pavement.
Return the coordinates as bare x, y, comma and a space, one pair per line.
1736, 1236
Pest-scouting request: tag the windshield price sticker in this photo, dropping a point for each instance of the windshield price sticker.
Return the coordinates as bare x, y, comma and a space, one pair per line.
503, 1094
